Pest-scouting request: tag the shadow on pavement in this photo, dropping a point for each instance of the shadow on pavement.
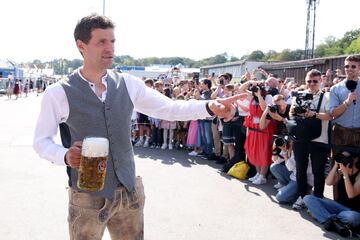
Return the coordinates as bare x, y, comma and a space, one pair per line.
170, 157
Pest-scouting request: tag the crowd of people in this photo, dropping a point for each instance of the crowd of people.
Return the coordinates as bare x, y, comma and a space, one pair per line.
263, 133
21, 88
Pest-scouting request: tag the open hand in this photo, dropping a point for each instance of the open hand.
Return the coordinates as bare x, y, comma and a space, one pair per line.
224, 107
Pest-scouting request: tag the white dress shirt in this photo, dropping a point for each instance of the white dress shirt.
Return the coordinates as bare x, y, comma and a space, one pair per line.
55, 110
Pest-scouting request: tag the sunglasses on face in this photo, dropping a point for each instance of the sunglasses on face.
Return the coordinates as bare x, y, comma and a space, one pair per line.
312, 81
352, 66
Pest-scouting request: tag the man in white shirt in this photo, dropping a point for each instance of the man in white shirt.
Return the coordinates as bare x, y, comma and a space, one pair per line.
94, 101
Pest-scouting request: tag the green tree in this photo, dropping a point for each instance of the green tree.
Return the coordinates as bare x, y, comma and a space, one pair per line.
354, 47
348, 38
330, 47
270, 55
256, 55
289, 55
234, 59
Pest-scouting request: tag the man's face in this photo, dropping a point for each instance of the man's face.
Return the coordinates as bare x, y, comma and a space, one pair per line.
99, 52
324, 78
352, 70
313, 83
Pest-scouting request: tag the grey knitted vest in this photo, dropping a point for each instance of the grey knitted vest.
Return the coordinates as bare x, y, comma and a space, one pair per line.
88, 116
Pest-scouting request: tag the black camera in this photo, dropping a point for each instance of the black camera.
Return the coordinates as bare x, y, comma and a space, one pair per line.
254, 88
279, 141
221, 81
273, 108
301, 100
345, 160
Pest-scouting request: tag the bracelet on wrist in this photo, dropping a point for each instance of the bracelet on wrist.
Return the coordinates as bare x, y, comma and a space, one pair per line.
211, 113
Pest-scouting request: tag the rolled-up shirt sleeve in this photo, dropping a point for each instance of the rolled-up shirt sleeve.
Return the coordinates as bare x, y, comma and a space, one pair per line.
152, 103
334, 100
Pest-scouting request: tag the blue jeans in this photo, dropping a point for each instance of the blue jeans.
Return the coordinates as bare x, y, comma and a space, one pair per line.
287, 194
207, 141
323, 209
281, 173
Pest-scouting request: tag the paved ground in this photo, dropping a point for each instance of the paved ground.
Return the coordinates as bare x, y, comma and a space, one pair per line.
187, 198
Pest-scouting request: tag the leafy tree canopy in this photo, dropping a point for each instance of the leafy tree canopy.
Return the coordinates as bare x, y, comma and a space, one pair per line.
331, 46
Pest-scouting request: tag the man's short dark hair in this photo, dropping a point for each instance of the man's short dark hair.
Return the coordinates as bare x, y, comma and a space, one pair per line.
313, 73
353, 58
87, 24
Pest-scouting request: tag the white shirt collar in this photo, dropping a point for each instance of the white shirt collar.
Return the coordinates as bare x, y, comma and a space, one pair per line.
103, 79
92, 85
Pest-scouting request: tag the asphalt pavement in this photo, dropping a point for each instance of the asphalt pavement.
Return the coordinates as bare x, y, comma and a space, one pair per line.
187, 198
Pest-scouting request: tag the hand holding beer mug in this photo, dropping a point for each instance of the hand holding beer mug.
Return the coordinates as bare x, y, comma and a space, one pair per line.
93, 164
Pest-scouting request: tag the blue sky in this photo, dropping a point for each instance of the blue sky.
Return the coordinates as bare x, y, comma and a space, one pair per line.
43, 29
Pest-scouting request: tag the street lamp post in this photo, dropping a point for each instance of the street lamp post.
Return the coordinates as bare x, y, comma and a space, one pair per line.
103, 7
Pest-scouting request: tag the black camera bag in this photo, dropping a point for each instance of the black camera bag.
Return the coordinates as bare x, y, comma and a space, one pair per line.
305, 129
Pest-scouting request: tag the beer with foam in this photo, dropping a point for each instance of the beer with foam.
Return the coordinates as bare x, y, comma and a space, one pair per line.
93, 160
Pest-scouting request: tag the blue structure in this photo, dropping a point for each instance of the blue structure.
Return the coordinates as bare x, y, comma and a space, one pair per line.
9, 68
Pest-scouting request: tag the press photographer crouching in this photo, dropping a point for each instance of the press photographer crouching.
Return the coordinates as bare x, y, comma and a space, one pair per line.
277, 114
286, 174
343, 214
308, 127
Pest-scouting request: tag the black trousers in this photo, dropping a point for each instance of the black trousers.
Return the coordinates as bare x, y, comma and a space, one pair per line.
157, 136
318, 154
240, 137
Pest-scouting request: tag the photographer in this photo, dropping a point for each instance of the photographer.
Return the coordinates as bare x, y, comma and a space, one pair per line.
343, 214
277, 114
315, 149
287, 175
258, 143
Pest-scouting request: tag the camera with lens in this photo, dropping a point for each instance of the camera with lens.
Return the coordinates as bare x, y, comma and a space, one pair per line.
345, 160
274, 108
279, 141
302, 99
254, 88
221, 81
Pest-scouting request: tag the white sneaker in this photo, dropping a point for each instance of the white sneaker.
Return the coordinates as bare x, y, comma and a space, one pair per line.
170, 146
254, 177
299, 204
146, 144
193, 153
259, 180
278, 185
164, 146
139, 143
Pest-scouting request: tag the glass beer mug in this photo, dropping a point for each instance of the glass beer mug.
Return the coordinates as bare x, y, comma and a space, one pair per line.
92, 169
